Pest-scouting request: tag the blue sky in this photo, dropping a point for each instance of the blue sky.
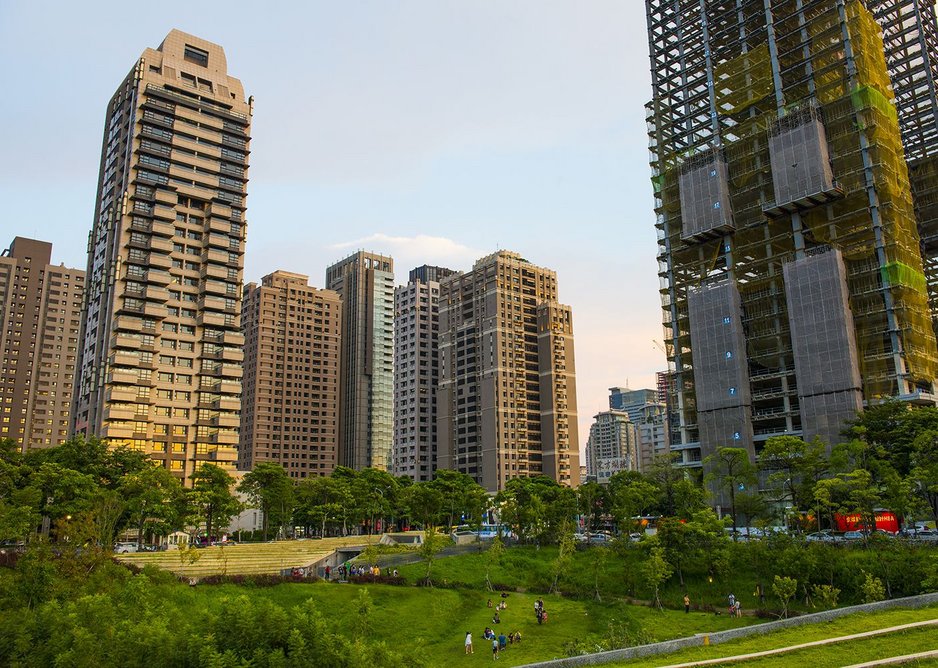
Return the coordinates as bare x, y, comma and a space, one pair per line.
433, 130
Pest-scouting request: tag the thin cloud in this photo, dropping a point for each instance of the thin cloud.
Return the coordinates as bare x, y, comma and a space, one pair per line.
416, 250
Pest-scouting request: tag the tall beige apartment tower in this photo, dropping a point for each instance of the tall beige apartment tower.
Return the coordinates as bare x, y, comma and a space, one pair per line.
365, 283
506, 404
416, 372
161, 352
40, 315
292, 338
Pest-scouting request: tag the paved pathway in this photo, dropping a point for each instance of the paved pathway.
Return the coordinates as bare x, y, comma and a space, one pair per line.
896, 660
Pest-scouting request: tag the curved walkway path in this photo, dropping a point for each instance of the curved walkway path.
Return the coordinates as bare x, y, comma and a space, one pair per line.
896, 660
815, 643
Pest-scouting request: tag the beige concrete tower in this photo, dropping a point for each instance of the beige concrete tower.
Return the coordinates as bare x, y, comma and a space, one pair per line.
506, 403
292, 336
40, 314
160, 359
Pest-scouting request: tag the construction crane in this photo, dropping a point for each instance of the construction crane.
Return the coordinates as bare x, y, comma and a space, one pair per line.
660, 347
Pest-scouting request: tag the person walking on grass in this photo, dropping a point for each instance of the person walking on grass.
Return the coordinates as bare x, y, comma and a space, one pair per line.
686, 604
468, 642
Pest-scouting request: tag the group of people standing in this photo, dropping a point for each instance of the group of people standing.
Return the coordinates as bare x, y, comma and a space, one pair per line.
539, 611
500, 641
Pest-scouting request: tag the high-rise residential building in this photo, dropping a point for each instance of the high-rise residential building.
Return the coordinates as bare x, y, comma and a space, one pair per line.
793, 283
40, 315
612, 446
365, 283
648, 414
506, 404
161, 352
292, 343
416, 372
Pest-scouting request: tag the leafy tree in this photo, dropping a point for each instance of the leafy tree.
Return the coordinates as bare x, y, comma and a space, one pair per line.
154, 501
655, 571
923, 476
534, 506
794, 467
785, 589
592, 501
423, 504
212, 498
631, 495
730, 470
92, 457
678, 494
63, 491
269, 487
374, 493
463, 497
322, 500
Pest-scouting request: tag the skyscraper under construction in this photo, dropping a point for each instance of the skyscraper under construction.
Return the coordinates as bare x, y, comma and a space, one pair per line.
793, 282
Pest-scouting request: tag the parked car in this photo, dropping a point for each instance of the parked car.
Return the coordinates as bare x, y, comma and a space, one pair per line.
853, 535
125, 547
824, 536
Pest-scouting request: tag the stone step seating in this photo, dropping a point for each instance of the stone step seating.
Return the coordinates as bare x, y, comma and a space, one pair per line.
246, 558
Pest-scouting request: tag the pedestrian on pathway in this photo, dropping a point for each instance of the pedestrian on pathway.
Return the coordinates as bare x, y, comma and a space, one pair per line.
468, 642
686, 604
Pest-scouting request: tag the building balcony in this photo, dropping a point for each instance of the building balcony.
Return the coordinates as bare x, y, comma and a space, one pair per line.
227, 404
122, 376
125, 341
216, 304
231, 354
219, 225
214, 271
120, 358
224, 437
226, 421
160, 260
121, 393
210, 319
159, 277
119, 412
216, 256
162, 229
215, 287
161, 245
154, 310
117, 430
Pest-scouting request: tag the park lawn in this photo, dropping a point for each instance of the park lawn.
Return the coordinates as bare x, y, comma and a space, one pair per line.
430, 624
835, 655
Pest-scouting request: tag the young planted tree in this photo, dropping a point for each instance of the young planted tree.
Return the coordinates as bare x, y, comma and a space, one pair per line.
784, 589
730, 471
655, 571
564, 561
152, 498
432, 543
493, 559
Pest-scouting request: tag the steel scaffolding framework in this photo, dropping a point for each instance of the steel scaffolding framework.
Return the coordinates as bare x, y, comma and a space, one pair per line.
779, 116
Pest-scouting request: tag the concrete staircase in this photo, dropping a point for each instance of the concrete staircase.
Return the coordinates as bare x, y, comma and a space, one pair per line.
246, 558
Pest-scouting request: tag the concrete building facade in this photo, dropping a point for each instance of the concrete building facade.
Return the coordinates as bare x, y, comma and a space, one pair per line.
612, 446
365, 283
159, 366
648, 414
792, 274
40, 317
506, 404
292, 345
416, 372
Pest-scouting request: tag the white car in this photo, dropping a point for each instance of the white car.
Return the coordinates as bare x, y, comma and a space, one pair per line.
124, 548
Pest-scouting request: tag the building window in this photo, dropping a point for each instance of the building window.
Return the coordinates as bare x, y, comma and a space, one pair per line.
196, 55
